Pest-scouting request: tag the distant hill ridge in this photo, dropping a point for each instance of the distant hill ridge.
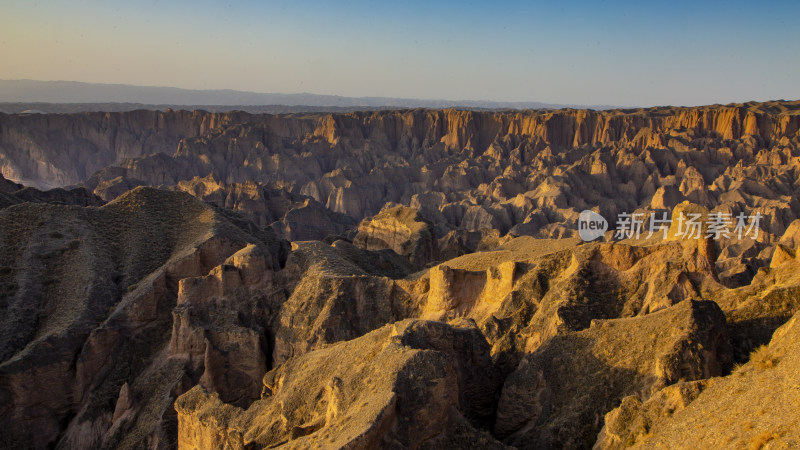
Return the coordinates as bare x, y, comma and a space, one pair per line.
32, 91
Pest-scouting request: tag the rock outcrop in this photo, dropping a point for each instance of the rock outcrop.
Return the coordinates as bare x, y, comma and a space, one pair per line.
338, 292
754, 407
417, 384
529, 290
220, 325
559, 393
402, 230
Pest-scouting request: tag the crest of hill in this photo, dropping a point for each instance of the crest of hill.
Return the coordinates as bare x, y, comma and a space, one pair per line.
179, 220
118, 243
13, 193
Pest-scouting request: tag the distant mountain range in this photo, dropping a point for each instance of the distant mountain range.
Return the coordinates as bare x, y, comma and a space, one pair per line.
59, 92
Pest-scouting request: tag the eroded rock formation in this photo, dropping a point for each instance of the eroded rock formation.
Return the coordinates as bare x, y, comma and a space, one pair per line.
402, 230
554, 397
528, 173
417, 384
86, 300
753, 407
434, 293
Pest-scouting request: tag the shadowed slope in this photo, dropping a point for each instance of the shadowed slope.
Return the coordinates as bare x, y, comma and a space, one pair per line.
86, 299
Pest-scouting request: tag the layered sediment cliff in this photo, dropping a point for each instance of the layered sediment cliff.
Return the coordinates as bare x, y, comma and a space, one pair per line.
527, 172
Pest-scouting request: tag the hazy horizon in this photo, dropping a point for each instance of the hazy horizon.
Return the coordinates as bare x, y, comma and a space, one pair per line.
578, 53
57, 92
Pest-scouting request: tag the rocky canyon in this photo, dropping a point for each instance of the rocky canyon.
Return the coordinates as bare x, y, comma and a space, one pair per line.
410, 278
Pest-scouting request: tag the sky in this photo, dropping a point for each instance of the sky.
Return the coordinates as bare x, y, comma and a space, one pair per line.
624, 53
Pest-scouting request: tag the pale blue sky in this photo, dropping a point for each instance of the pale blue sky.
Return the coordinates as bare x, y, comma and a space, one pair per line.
580, 52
